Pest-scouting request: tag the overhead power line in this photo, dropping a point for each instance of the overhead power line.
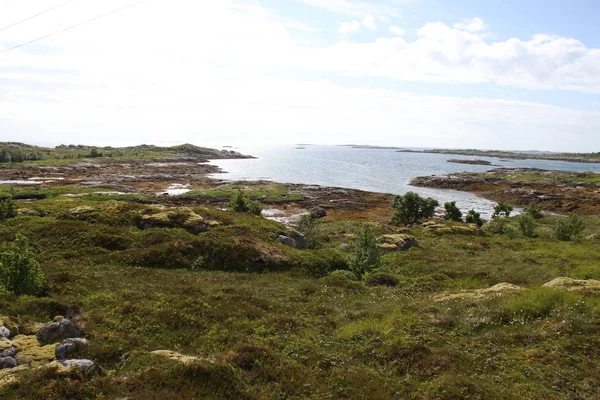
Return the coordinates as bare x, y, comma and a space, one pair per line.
73, 26
37, 15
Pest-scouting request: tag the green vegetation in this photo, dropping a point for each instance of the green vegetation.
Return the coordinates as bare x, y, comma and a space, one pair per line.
452, 212
527, 224
412, 209
260, 320
7, 209
533, 210
574, 157
240, 203
20, 272
19, 152
474, 217
264, 192
310, 227
502, 210
569, 228
366, 255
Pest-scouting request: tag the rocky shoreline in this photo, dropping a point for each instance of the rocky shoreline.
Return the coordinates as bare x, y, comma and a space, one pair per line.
522, 186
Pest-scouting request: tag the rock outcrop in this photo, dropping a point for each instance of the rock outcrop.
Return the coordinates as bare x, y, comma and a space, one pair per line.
590, 286
494, 291
58, 330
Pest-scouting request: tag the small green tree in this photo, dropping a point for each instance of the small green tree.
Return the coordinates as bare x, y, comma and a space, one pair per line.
310, 227
365, 252
240, 203
7, 209
411, 209
452, 212
569, 228
527, 224
20, 273
533, 210
502, 210
474, 217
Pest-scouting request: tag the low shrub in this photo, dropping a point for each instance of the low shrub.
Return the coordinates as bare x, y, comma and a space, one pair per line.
569, 228
20, 273
452, 212
473, 217
502, 210
366, 254
527, 225
7, 209
240, 203
533, 210
343, 274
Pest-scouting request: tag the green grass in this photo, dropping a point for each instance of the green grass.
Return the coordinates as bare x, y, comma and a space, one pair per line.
265, 324
552, 177
268, 193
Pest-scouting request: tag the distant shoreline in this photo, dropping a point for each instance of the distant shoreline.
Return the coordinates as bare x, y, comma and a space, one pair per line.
587, 158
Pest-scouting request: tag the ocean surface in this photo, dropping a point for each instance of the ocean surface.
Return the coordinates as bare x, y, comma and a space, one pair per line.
375, 170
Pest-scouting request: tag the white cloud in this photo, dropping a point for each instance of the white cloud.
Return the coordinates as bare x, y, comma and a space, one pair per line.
396, 30
369, 22
210, 72
358, 8
471, 25
348, 27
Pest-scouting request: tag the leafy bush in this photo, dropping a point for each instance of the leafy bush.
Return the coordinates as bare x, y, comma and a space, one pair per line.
533, 210
452, 212
7, 209
366, 253
527, 225
382, 279
569, 228
474, 217
411, 209
310, 227
502, 210
20, 273
240, 203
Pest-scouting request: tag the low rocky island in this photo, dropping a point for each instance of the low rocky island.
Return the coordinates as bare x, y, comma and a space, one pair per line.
469, 162
254, 290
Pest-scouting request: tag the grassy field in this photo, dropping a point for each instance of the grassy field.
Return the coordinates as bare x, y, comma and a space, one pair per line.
266, 321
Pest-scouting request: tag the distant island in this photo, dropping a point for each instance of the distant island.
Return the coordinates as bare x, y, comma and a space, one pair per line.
470, 162
517, 155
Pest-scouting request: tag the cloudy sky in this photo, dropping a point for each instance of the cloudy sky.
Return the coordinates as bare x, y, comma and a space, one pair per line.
434, 73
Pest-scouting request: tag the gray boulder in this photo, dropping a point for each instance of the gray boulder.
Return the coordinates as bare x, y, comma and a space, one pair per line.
68, 347
286, 240
318, 212
87, 367
57, 331
8, 362
301, 242
11, 352
4, 332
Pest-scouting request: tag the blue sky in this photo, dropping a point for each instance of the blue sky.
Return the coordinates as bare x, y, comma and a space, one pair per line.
508, 75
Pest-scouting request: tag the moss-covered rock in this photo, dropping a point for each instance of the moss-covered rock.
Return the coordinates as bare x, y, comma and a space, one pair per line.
31, 352
590, 286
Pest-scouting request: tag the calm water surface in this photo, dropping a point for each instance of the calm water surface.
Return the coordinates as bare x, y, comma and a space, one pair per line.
384, 171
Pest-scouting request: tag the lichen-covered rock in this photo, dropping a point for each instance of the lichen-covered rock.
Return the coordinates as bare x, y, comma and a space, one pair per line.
177, 356
58, 330
68, 347
81, 210
589, 286
397, 242
286, 241
180, 217
301, 241
494, 291
7, 362
9, 324
87, 367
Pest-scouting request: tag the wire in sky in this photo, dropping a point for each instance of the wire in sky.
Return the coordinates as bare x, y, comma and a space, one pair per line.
73, 26
37, 15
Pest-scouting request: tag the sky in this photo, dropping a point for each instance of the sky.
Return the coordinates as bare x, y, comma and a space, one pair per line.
515, 75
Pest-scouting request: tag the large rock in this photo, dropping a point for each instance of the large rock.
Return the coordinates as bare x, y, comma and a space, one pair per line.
286, 240
4, 332
318, 212
7, 362
68, 347
58, 330
178, 356
590, 286
397, 242
87, 367
296, 240
10, 352
180, 217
